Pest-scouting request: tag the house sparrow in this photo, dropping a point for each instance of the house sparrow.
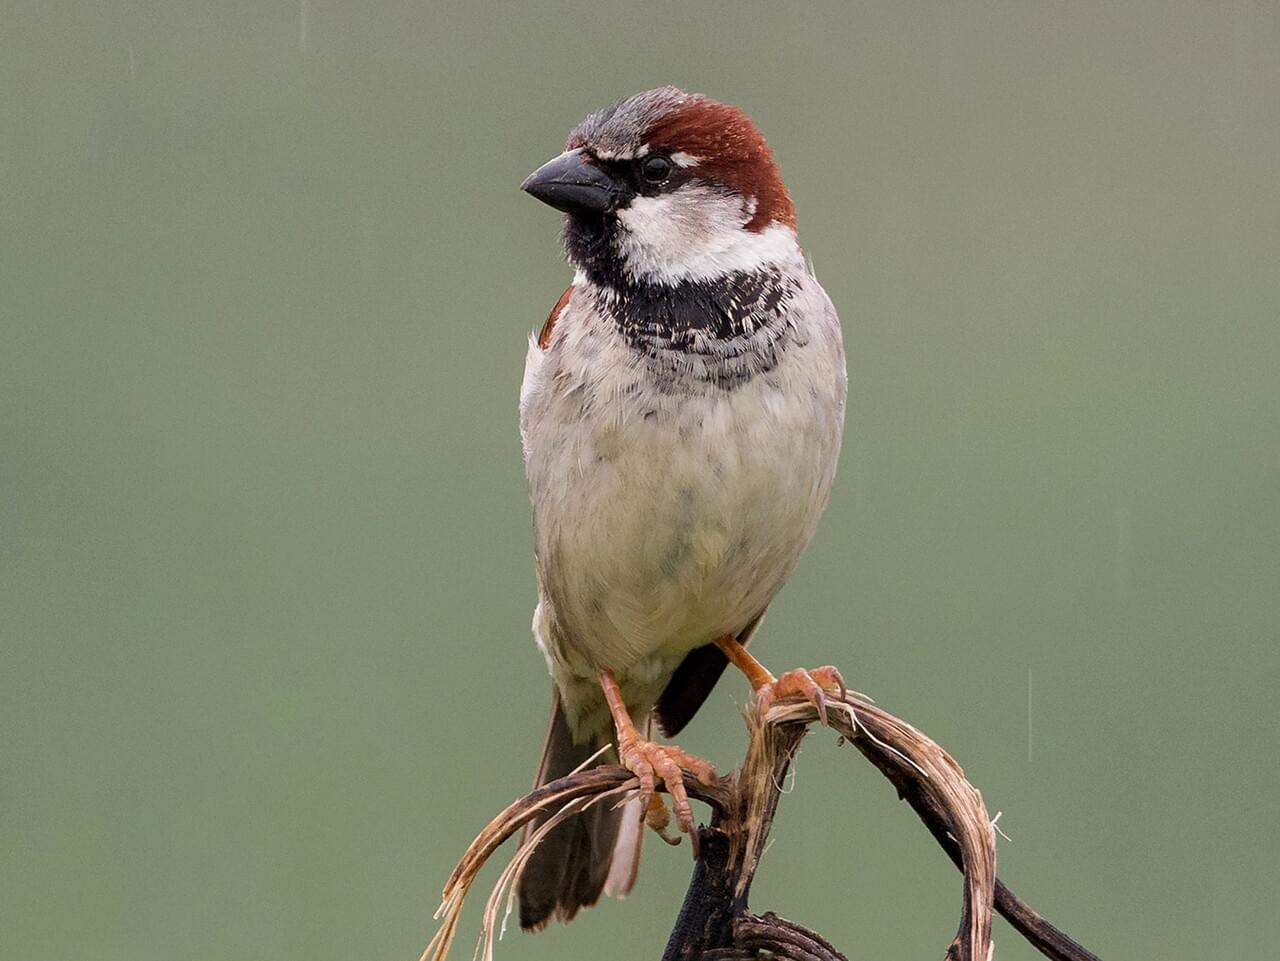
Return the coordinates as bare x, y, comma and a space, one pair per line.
681, 416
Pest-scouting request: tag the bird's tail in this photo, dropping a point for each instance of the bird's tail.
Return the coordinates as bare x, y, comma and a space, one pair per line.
592, 853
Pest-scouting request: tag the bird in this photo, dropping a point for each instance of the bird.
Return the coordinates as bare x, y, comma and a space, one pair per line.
681, 416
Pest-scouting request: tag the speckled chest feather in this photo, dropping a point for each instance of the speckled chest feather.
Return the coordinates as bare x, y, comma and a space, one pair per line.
721, 332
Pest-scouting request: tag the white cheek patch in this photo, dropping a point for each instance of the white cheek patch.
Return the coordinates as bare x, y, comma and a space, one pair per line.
696, 233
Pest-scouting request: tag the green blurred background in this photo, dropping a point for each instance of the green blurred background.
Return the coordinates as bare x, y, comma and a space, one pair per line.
265, 576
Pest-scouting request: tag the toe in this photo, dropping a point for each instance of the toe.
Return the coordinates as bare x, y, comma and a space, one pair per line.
633, 759
669, 771
658, 817
830, 678
765, 698
702, 770
816, 695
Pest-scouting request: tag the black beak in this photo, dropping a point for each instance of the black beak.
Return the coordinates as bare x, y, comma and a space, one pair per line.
573, 184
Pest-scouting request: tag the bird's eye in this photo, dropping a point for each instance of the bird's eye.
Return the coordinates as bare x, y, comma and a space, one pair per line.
655, 169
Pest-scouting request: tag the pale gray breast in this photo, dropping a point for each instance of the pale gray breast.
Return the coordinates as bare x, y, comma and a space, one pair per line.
674, 490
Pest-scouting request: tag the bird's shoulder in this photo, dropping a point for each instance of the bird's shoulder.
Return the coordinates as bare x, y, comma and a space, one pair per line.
545, 374
549, 325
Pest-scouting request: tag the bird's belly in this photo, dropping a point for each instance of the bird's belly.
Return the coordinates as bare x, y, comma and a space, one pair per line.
675, 528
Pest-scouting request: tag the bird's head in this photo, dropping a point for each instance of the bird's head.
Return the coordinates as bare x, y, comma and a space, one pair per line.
666, 187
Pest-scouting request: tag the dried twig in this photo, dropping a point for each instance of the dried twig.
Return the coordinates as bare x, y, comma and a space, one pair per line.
714, 923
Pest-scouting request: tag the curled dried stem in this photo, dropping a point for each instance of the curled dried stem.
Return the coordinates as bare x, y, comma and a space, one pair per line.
714, 922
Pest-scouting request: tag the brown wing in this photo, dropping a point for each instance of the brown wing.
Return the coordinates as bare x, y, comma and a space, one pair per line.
692, 682
544, 335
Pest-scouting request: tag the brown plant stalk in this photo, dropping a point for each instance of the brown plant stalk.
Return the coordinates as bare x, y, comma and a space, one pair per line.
714, 923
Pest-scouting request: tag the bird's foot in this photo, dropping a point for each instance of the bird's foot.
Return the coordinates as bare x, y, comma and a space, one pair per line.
651, 763
814, 686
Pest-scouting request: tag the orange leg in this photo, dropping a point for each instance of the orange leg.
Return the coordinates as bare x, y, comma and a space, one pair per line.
812, 685
652, 762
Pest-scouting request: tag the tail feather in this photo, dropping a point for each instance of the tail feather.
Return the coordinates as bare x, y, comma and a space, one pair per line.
626, 851
591, 853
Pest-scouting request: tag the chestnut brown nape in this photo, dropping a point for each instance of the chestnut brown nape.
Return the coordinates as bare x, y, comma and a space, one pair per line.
729, 148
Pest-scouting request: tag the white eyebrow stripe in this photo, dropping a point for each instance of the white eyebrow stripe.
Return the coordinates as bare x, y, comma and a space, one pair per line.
682, 159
